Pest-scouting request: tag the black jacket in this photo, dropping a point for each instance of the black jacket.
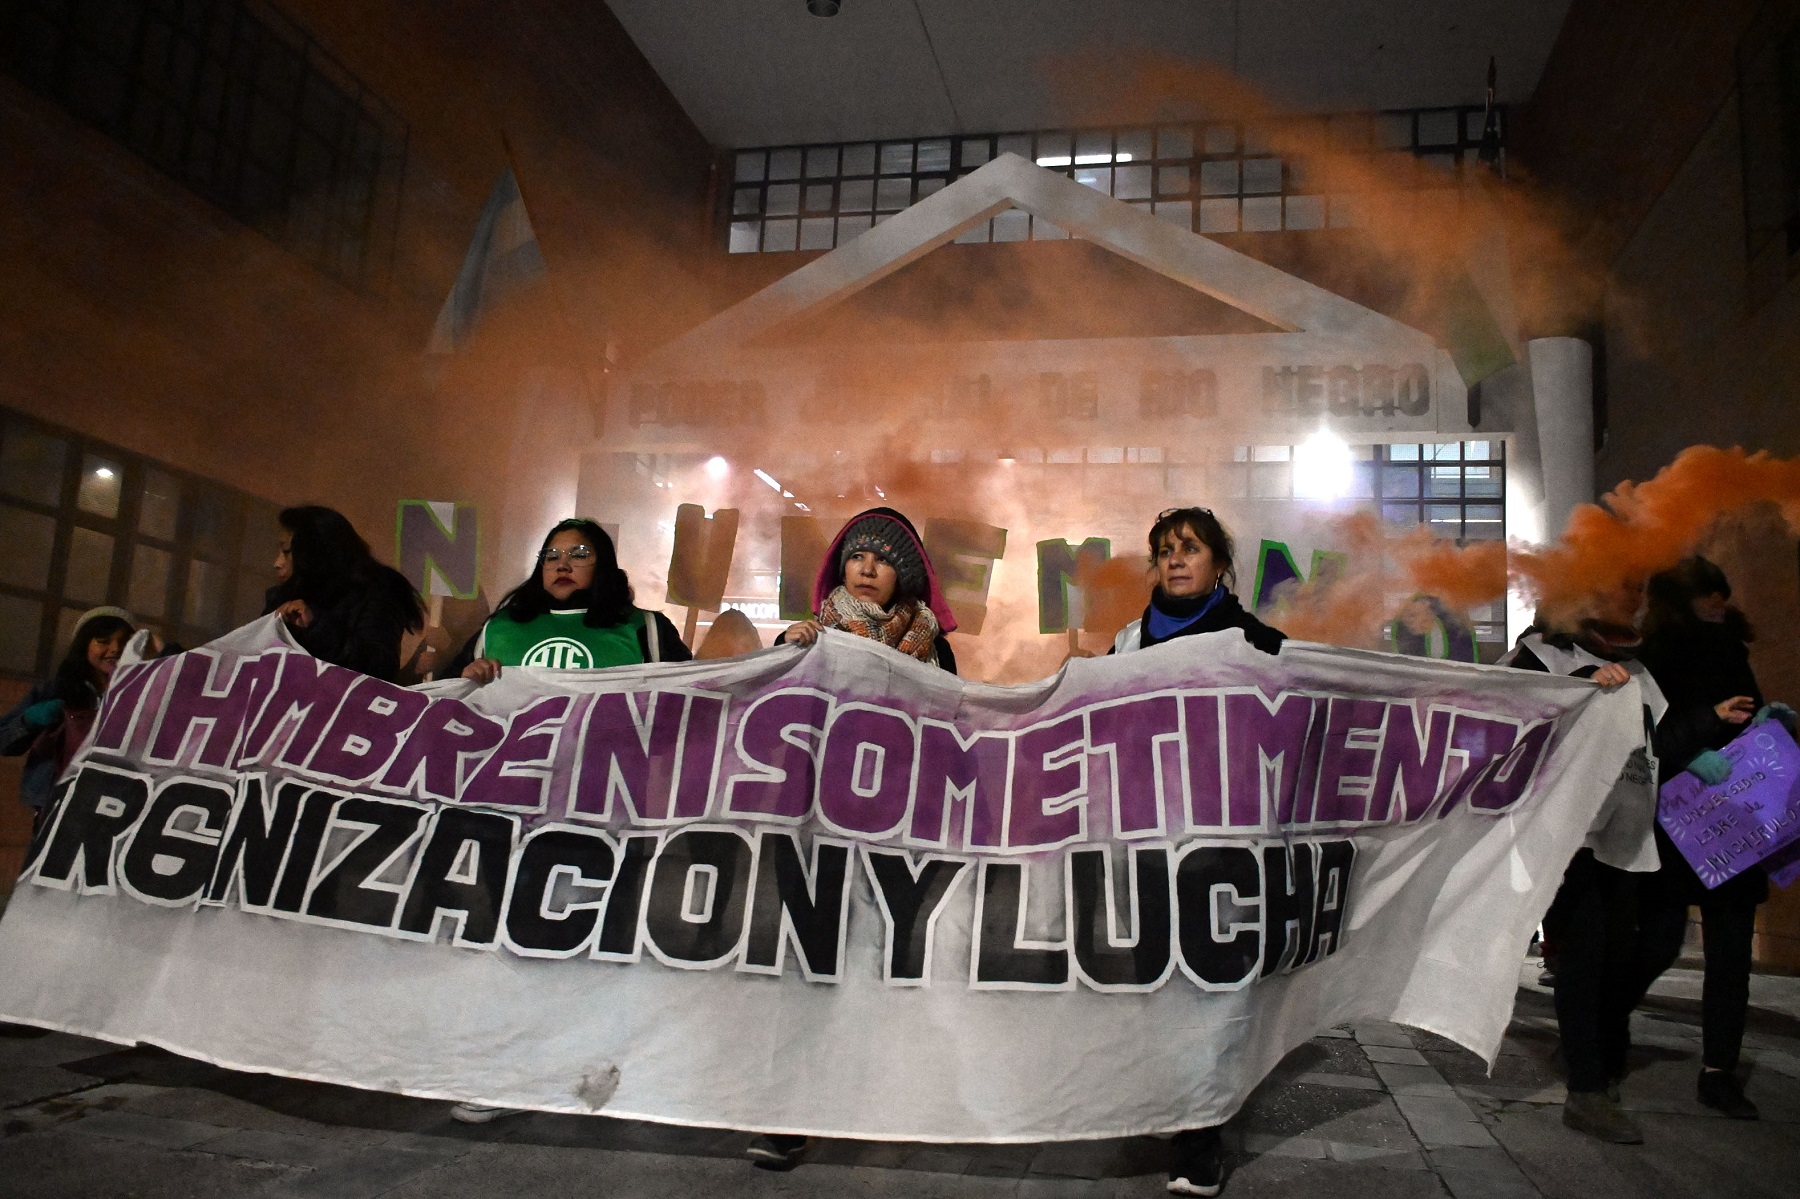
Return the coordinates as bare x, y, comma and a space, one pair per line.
1228, 613
1698, 665
359, 627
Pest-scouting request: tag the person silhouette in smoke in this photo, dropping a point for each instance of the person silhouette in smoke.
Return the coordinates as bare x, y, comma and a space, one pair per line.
1191, 556
1696, 645
877, 582
1590, 931
338, 602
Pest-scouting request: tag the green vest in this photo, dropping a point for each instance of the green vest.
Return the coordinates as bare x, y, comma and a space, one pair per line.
560, 641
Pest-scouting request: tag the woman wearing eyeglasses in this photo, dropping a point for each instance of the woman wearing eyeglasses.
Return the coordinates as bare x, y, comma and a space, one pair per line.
573, 613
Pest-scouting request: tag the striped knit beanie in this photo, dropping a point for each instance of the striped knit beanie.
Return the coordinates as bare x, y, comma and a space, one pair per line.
889, 540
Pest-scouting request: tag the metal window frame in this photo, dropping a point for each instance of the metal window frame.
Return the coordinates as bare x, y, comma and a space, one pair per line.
216, 114
1245, 147
240, 584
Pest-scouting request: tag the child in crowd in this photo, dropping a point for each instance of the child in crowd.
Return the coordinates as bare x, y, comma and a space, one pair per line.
53, 719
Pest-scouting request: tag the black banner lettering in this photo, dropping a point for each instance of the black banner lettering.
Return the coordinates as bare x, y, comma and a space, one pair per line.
1218, 893
101, 807
1003, 958
347, 891
461, 873
577, 858
1287, 906
699, 893
1105, 959
620, 925
169, 862
911, 897
813, 910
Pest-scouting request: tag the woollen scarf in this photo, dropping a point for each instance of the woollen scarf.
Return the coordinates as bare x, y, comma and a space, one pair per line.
909, 627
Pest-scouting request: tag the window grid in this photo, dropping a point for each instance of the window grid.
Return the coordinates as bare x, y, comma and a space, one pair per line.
87, 523
1211, 178
234, 101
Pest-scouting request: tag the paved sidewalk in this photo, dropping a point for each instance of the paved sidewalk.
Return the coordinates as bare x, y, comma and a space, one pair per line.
1377, 1110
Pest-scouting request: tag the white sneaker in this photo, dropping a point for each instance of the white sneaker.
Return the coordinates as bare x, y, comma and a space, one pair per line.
475, 1113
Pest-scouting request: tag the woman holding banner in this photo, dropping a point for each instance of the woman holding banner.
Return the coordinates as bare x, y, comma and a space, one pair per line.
877, 581
1191, 560
338, 602
574, 612
1592, 921
1696, 646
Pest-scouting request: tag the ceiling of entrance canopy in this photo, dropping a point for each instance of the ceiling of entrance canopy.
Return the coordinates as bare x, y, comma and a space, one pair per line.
766, 72
1050, 290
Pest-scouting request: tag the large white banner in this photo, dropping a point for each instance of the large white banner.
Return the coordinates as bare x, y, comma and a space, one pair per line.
827, 891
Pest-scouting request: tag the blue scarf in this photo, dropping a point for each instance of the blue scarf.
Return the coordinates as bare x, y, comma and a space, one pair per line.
1164, 625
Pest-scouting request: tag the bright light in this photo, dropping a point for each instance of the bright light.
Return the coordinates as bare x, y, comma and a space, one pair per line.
1322, 467
103, 472
717, 467
1124, 158
767, 478
1054, 161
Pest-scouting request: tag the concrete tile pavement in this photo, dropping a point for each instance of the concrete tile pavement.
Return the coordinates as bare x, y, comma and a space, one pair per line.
1376, 1110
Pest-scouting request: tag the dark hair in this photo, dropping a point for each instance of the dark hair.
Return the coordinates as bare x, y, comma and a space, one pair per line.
330, 560
1671, 595
74, 678
608, 596
1205, 526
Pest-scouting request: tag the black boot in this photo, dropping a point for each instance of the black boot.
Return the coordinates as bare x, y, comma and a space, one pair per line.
777, 1151
1199, 1165
1720, 1090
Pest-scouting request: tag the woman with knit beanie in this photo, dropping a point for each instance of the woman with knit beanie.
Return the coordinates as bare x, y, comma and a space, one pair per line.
877, 582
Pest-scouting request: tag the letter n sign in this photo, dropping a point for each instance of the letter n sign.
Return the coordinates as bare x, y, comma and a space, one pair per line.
438, 546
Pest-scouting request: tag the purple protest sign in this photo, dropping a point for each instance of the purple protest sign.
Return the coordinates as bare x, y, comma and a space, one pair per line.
1784, 865
1724, 830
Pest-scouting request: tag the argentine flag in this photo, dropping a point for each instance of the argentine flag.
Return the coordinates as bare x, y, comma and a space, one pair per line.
503, 257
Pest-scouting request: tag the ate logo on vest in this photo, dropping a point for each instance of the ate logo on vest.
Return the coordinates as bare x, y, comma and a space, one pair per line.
560, 653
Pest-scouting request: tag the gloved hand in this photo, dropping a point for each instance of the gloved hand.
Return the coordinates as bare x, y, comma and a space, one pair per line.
1710, 767
43, 714
1787, 716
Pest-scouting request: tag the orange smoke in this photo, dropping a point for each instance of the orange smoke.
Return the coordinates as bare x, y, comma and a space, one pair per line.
1609, 549
1642, 528
1113, 595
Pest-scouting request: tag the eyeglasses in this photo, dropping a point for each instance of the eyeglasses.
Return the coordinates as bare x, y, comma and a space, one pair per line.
576, 555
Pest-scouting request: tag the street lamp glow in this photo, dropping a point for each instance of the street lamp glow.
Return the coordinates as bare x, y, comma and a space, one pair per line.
1322, 467
717, 467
